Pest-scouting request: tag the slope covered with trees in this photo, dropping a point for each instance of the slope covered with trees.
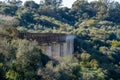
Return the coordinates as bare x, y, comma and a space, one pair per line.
97, 45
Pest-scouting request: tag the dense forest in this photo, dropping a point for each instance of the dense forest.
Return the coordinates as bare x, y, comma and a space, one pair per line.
97, 45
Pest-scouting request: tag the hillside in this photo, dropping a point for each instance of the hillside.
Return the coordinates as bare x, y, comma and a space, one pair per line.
97, 45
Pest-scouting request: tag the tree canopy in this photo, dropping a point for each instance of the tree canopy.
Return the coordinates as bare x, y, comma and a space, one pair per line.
96, 25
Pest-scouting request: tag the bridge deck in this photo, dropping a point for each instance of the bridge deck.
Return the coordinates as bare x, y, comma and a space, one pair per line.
44, 37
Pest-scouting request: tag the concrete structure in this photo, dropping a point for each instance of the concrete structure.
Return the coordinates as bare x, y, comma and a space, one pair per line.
52, 44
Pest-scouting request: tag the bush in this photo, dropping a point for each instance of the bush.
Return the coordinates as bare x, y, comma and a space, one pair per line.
115, 43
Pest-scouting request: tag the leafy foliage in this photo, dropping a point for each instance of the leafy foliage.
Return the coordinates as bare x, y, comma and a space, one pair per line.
97, 44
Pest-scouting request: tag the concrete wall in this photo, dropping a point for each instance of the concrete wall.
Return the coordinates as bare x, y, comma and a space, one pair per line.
59, 49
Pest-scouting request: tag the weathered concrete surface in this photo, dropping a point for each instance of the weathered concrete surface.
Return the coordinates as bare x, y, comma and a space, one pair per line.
60, 49
52, 44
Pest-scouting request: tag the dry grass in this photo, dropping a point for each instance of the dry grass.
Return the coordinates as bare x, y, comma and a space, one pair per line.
6, 17
8, 20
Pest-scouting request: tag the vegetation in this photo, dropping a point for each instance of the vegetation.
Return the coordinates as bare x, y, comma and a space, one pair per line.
97, 45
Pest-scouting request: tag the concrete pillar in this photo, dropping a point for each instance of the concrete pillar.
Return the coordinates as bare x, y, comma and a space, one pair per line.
68, 46
71, 46
55, 50
65, 51
61, 50
48, 50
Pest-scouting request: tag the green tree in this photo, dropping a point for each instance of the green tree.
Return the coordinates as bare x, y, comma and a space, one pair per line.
2, 72
31, 4
81, 9
28, 59
12, 75
114, 11
15, 2
52, 3
100, 10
